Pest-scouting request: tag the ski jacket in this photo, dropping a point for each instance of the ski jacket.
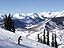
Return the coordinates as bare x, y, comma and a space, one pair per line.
19, 38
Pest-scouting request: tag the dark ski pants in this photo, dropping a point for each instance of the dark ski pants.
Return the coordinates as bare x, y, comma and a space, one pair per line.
18, 41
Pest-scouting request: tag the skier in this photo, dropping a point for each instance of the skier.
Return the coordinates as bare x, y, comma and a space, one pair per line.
19, 40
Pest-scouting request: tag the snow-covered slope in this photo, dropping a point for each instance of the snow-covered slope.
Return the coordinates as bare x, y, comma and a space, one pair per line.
56, 26
9, 40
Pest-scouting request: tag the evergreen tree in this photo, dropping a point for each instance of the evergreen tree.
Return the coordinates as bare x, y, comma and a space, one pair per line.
44, 37
5, 20
52, 40
38, 38
56, 42
47, 37
41, 40
9, 24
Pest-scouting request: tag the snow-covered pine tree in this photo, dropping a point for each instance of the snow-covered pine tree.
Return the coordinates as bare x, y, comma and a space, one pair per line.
47, 37
56, 42
44, 37
38, 38
41, 40
52, 40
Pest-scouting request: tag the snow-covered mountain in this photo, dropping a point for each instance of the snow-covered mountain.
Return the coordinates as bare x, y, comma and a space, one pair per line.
29, 26
28, 20
51, 14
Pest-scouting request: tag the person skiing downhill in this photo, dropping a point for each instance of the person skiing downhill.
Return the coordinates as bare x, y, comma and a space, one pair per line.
19, 38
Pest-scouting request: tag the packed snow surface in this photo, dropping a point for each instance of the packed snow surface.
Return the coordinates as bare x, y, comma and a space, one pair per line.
9, 40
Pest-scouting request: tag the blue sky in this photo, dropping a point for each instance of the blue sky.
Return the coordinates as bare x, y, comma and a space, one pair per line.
28, 6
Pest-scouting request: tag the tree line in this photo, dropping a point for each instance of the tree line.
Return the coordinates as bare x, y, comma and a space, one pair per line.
54, 41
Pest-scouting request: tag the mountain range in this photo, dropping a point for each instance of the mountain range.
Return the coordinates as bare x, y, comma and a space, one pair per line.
28, 20
31, 24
